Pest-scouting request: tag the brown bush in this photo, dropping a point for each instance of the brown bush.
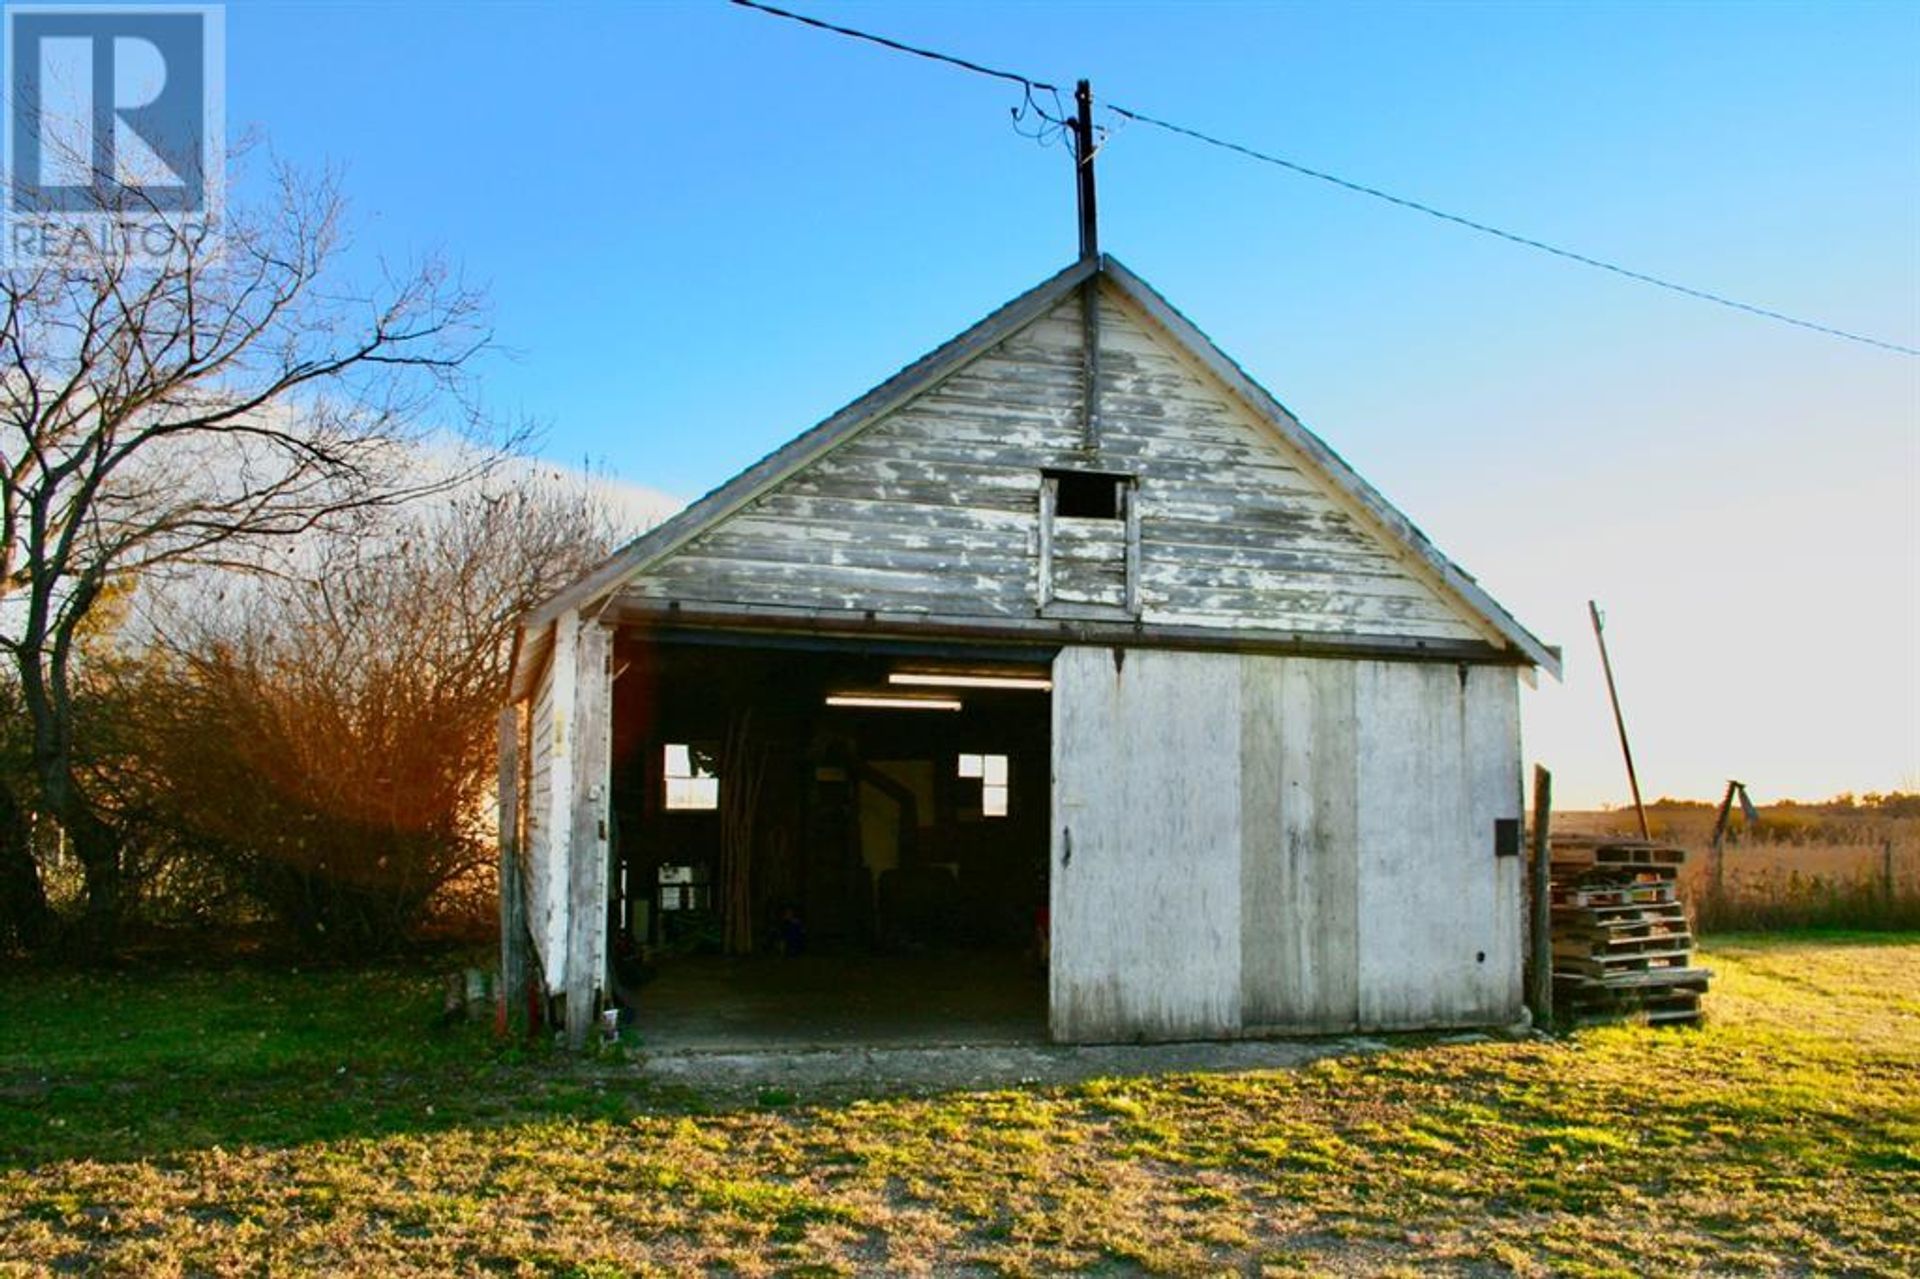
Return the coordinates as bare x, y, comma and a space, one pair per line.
327, 739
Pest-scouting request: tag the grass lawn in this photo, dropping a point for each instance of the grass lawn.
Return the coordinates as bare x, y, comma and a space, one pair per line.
227, 1123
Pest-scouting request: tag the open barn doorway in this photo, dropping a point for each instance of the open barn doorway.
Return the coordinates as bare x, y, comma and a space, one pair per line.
821, 842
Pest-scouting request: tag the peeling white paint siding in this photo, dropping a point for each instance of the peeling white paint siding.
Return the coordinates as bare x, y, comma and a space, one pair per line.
538, 802
1278, 843
1300, 814
933, 509
1411, 841
1493, 766
549, 800
1145, 909
589, 742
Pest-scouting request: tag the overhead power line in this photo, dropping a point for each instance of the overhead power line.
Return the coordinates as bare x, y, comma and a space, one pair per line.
1030, 84
1512, 237
898, 46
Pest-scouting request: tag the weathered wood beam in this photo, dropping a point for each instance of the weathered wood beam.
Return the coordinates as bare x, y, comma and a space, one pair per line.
1130, 498
646, 615
512, 1015
1049, 500
587, 848
1090, 366
550, 929
1540, 902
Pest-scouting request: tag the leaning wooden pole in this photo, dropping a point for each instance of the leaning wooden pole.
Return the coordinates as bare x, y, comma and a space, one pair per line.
511, 1014
1619, 721
1717, 884
1540, 903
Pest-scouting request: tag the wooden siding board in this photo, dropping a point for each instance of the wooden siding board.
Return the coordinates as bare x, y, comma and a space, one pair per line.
589, 796
1145, 911
1090, 561
1309, 590
1435, 935
1495, 785
511, 869
928, 491
854, 590
799, 514
539, 817
1299, 818
1323, 568
909, 553
1399, 918
1348, 615
553, 746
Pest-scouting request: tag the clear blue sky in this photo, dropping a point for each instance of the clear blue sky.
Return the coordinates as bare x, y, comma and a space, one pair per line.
704, 229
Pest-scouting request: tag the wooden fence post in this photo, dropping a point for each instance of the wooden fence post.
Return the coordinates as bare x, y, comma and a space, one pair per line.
1540, 971
511, 1016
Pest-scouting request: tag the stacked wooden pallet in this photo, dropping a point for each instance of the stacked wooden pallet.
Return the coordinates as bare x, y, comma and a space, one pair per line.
1621, 947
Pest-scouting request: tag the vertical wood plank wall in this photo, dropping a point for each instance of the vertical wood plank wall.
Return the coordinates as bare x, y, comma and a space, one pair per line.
512, 870
587, 850
549, 801
1299, 814
1276, 843
1145, 875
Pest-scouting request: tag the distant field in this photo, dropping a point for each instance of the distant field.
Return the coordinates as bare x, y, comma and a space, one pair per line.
1802, 868
248, 1123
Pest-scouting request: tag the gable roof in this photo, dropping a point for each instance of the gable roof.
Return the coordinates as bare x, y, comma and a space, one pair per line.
1389, 523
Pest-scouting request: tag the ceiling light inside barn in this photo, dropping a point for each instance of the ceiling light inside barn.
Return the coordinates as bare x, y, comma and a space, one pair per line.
881, 701
945, 679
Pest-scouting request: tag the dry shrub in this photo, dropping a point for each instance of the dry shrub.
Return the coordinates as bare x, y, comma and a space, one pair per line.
328, 738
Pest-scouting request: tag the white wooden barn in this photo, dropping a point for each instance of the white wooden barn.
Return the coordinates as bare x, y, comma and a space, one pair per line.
1068, 640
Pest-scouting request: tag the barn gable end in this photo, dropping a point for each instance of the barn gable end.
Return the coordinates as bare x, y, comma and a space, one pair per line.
930, 500
934, 508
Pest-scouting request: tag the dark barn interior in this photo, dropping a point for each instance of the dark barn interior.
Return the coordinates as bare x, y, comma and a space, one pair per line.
819, 841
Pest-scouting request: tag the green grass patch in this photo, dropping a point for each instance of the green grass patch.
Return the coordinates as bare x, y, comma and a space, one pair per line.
326, 1122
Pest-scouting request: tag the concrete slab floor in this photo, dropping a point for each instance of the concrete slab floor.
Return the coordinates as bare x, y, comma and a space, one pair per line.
821, 1027
772, 1003
831, 1073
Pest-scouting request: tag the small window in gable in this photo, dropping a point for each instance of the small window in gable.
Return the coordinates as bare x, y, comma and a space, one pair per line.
692, 777
1083, 495
1089, 544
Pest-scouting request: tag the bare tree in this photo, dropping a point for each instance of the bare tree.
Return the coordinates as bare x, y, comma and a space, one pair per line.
184, 412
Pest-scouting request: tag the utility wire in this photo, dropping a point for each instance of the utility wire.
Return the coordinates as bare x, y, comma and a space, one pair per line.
1510, 236
1029, 84
898, 47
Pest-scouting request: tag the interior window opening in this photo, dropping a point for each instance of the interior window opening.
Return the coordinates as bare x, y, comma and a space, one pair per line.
692, 777
991, 772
